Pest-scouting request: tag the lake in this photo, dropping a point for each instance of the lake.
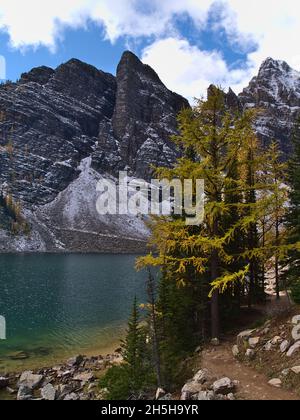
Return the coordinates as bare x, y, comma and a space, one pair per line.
57, 306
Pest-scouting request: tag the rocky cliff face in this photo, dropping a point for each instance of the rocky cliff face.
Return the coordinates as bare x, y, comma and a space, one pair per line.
276, 91
144, 118
61, 130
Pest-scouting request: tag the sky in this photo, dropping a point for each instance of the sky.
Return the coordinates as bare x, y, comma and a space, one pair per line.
190, 43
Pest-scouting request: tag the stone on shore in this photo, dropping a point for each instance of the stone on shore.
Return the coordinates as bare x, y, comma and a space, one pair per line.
29, 380
24, 393
75, 361
84, 377
72, 397
48, 393
3, 382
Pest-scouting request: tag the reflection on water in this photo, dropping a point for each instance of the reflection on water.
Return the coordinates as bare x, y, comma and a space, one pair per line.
59, 305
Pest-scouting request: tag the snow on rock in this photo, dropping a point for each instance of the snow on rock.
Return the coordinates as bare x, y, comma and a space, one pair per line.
276, 91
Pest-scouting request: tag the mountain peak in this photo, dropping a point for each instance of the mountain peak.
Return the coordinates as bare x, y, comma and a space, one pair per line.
276, 90
271, 66
130, 63
40, 75
76, 65
130, 56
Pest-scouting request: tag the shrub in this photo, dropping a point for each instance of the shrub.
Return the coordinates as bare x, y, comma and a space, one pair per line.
296, 292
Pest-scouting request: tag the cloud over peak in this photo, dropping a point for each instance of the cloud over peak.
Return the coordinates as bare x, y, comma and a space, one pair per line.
273, 26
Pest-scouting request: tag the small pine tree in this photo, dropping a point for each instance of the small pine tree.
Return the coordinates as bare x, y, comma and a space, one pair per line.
133, 347
135, 374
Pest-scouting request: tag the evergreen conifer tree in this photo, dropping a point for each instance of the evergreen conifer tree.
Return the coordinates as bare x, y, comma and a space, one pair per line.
293, 217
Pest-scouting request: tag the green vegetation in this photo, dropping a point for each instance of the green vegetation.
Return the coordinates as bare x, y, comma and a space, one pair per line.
293, 216
296, 291
136, 373
11, 216
208, 272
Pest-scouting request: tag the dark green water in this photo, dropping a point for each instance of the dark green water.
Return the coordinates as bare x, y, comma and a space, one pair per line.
57, 306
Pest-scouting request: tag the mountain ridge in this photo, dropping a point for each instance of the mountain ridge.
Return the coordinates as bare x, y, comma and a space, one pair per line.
54, 120
65, 128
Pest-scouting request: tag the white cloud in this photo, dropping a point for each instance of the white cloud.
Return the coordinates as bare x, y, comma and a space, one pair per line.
273, 24
36, 22
188, 70
2, 68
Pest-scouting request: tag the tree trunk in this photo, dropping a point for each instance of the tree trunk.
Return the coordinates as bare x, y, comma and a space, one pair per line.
215, 315
277, 275
156, 350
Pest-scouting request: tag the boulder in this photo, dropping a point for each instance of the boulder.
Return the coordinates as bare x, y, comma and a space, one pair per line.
190, 389
201, 377
24, 393
285, 372
268, 346
295, 348
160, 393
276, 382
48, 393
72, 397
296, 320
75, 361
215, 342
276, 340
198, 350
29, 380
253, 342
284, 346
167, 397
65, 390
250, 354
10, 391
223, 386
244, 337
296, 370
92, 386
84, 377
3, 382
206, 396
296, 333
235, 351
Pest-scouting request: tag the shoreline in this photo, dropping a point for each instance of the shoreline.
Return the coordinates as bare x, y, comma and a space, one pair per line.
38, 364
75, 379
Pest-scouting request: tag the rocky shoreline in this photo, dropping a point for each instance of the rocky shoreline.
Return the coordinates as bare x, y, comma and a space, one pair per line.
77, 379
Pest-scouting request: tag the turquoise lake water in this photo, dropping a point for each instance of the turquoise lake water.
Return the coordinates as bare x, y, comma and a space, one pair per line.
57, 306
